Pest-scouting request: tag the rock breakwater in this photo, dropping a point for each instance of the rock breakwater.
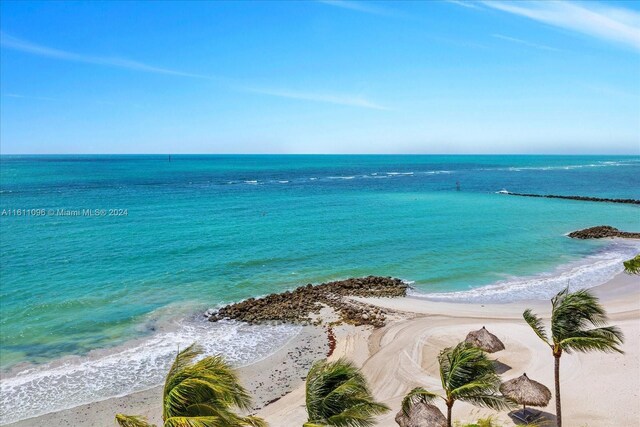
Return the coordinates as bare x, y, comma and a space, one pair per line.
602, 231
304, 304
581, 198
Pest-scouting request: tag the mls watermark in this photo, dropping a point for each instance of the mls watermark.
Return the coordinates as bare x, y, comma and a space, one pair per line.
63, 212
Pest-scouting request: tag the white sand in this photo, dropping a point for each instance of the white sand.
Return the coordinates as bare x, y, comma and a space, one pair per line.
598, 389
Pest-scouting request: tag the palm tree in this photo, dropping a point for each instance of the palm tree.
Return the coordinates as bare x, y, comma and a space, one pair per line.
577, 324
632, 266
200, 394
468, 375
337, 394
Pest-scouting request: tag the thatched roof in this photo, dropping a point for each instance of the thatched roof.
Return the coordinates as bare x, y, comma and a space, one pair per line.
484, 340
422, 415
526, 391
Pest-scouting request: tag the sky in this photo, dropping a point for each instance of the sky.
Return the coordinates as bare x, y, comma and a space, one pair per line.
320, 77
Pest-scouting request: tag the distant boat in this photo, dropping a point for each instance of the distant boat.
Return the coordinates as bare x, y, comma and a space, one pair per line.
503, 191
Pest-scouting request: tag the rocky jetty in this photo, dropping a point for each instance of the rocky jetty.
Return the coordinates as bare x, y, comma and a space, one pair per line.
602, 231
304, 304
581, 198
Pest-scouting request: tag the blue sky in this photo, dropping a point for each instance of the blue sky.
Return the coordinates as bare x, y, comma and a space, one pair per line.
320, 77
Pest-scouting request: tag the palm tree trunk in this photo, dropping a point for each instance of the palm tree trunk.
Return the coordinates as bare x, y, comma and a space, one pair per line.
557, 379
449, 407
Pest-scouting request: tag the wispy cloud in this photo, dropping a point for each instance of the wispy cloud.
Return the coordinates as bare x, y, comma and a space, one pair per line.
329, 98
40, 98
614, 24
10, 42
525, 43
359, 7
463, 3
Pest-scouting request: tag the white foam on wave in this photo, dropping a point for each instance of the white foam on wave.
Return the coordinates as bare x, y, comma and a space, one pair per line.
135, 366
341, 177
570, 167
586, 273
437, 172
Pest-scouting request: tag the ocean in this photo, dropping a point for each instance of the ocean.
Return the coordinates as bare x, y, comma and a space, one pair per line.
108, 262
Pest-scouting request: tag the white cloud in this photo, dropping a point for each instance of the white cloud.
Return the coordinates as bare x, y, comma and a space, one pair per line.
10, 42
524, 42
329, 98
614, 24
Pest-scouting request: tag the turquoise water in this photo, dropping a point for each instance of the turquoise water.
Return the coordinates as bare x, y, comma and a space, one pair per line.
205, 230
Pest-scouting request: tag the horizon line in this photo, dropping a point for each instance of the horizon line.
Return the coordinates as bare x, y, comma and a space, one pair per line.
318, 154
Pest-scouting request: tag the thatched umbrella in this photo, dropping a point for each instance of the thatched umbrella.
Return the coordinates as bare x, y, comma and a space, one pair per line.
422, 415
526, 391
484, 340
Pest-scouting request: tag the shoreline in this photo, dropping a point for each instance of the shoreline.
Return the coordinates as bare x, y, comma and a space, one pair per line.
402, 355
267, 380
412, 323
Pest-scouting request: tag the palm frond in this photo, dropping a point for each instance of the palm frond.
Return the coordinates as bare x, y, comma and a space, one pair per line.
183, 359
132, 421
464, 364
575, 312
361, 415
217, 366
415, 396
632, 266
214, 421
253, 421
572, 320
196, 422
536, 324
337, 394
606, 339
210, 381
496, 402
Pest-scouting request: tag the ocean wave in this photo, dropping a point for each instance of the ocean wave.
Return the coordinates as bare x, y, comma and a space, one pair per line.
139, 365
570, 167
586, 273
437, 172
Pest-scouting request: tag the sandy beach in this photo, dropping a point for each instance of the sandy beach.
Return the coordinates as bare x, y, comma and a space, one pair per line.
402, 355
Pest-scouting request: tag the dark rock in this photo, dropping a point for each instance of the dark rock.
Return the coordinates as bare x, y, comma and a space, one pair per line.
580, 198
296, 306
602, 231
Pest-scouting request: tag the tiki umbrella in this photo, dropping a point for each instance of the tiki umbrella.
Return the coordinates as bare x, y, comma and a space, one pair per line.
526, 391
484, 340
421, 415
